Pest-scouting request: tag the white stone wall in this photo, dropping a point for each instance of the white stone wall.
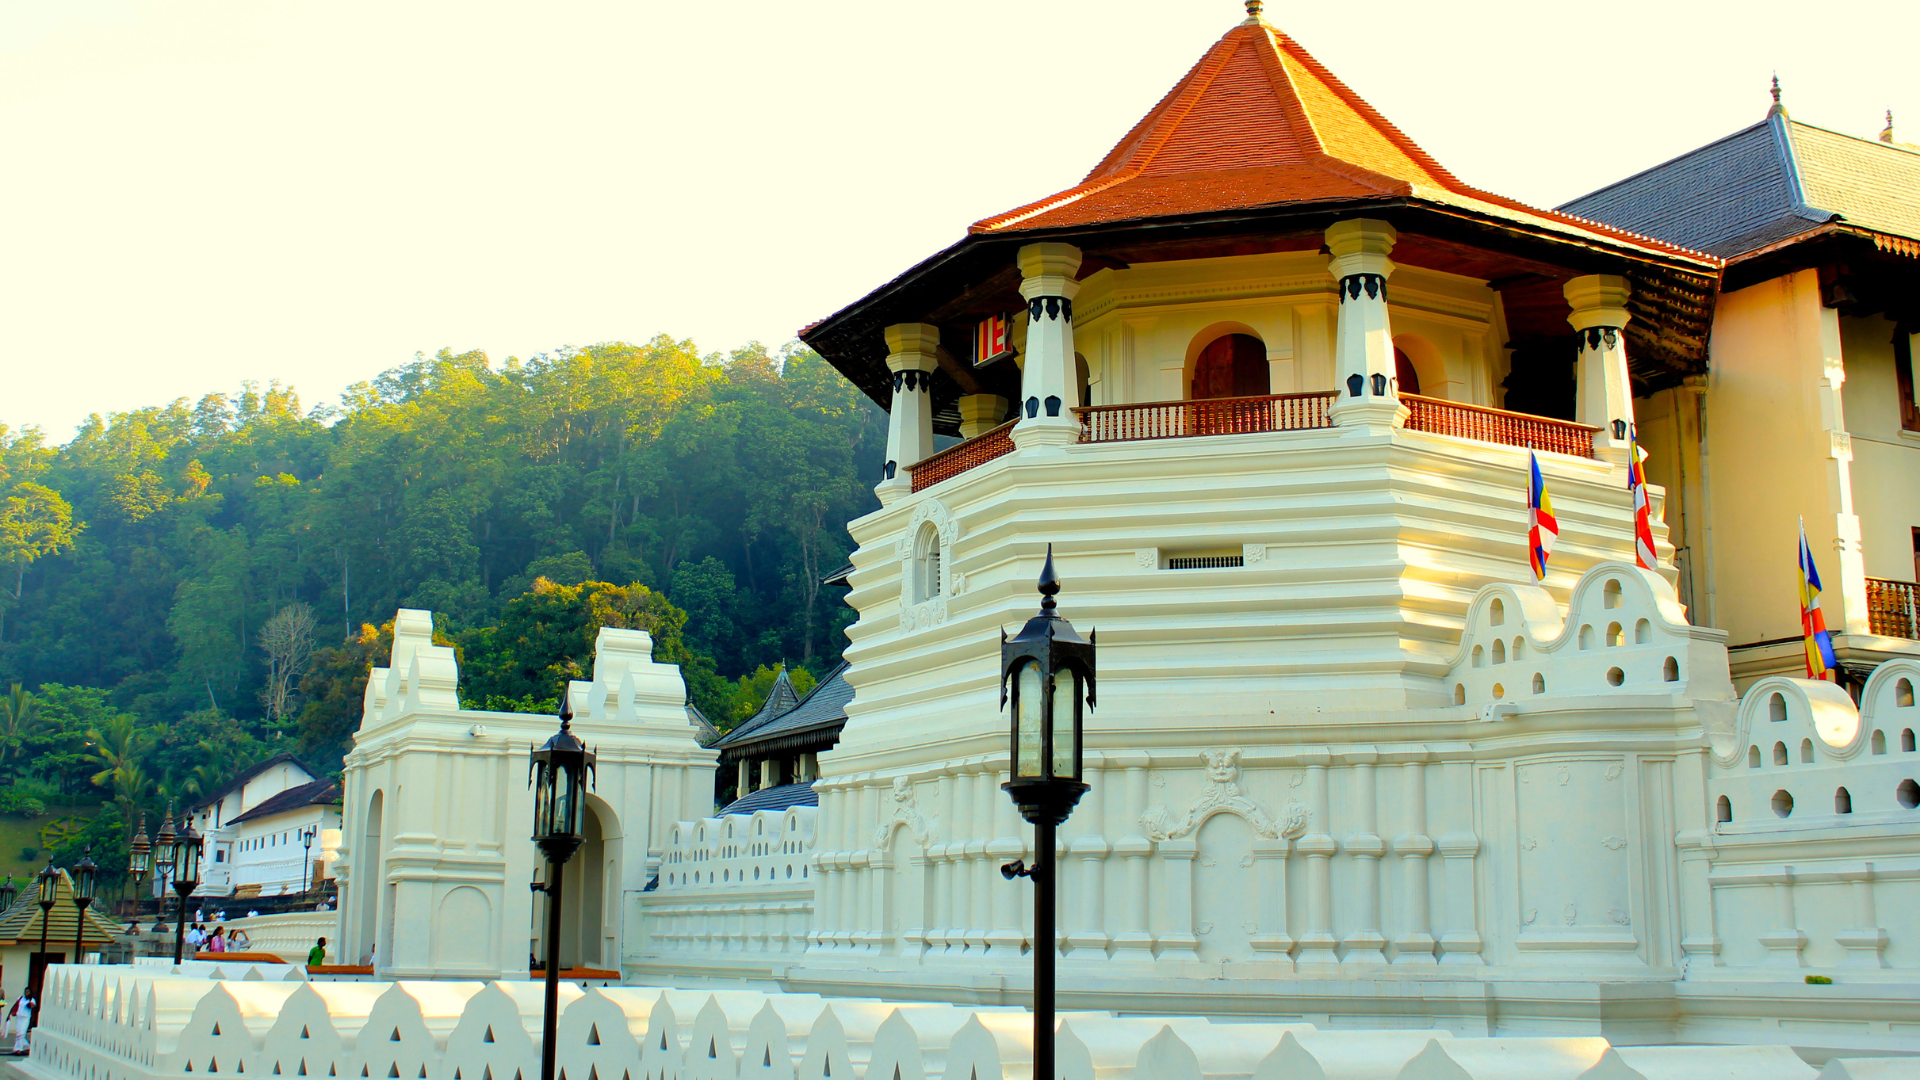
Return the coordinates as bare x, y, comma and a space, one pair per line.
741, 883
121, 1023
434, 860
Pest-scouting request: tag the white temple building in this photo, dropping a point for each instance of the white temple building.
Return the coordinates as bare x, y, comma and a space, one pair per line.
1269, 382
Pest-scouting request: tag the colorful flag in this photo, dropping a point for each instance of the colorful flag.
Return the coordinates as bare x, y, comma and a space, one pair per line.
1642, 513
1813, 621
1542, 529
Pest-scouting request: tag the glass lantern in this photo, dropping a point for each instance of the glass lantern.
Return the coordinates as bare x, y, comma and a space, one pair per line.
1047, 675
559, 774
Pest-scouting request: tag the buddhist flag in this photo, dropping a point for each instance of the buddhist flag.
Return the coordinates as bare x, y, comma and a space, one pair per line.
1542, 529
1642, 513
1813, 621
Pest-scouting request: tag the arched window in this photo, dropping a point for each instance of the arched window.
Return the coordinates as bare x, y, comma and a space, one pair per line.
1776, 708
926, 564
1753, 757
1725, 809
1806, 751
1842, 801
1903, 694
1879, 742
1232, 365
1082, 378
1779, 753
1409, 379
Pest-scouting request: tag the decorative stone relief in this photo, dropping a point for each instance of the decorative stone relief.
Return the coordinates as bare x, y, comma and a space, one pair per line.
1147, 558
919, 616
1614, 843
1222, 795
1253, 553
904, 810
931, 510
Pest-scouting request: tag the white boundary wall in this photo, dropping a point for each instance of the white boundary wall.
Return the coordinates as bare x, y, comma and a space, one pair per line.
145, 1023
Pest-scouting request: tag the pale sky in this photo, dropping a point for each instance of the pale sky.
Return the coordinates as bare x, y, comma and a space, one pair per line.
200, 192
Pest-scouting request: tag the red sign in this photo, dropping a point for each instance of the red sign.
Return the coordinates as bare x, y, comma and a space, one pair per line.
992, 340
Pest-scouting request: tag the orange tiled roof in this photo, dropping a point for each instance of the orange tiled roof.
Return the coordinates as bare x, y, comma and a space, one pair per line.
1259, 122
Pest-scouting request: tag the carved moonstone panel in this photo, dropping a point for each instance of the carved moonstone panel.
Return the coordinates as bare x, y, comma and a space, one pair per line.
1576, 853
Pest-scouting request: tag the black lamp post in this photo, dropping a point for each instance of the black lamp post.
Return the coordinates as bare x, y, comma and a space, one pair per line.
8, 893
1051, 671
49, 880
306, 857
84, 872
559, 772
162, 870
139, 864
186, 878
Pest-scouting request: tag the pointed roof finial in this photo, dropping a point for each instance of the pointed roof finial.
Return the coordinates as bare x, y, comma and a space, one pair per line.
1777, 107
1886, 135
1049, 582
1253, 13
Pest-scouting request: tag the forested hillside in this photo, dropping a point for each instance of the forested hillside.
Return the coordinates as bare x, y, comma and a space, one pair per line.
193, 586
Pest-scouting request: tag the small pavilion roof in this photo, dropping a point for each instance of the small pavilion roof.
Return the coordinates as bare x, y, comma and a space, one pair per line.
1259, 122
21, 922
814, 719
1256, 150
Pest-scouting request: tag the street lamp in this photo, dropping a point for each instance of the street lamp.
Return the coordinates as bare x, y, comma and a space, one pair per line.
163, 848
8, 893
83, 882
186, 878
49, 880
557, 773
306, 857
139, 864
1050, 669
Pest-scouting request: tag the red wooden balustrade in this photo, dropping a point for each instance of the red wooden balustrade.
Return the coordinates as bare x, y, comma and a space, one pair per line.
1206, 416
1893, 608
1481, 423
962, 456
1273, 412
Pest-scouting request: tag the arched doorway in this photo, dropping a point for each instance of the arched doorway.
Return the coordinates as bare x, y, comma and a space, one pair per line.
367, 879
1232, 365
589, 898
1403, 370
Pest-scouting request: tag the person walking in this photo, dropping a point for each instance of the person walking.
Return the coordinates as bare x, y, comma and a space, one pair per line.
20, 1021
317, 955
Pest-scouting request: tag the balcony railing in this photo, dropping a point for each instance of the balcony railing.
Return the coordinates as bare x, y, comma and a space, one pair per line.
1206, 416
1274, 412
960, 457
1498, 426
1893, 608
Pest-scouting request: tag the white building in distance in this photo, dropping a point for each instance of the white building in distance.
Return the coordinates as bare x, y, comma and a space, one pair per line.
270, 831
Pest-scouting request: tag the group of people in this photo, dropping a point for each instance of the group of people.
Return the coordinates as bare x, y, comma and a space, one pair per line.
218, 940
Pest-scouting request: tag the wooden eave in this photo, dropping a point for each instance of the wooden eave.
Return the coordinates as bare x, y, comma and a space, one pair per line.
1672, 301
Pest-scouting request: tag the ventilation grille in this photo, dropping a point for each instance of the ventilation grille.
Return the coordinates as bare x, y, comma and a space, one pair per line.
1204, 562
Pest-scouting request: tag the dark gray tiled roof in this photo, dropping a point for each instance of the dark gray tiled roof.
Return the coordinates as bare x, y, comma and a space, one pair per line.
825, 704
1764, 184
317, 793
774, 798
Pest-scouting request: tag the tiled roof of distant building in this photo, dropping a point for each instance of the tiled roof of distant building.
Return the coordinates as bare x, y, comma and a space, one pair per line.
1766, 184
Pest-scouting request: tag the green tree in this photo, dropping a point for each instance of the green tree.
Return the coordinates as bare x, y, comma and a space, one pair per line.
34, 522
19, 718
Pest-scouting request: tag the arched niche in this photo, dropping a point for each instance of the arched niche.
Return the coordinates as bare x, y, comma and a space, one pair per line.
1414, 354
1227, 359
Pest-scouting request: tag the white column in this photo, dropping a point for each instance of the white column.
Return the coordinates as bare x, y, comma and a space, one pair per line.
1363, 339
1318, 845
1604, 395
1365, 944
1047, 383
1415, 945
1784, 942
1133, 940
981, 413
910, 356
1086, 936
1010, 898
1868, 940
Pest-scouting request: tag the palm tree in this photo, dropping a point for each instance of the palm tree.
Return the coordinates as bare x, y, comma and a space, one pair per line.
19, 718
119, 747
